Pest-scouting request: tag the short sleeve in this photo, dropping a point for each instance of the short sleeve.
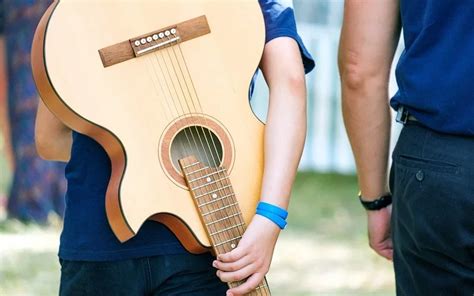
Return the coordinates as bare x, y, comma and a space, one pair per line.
280, 22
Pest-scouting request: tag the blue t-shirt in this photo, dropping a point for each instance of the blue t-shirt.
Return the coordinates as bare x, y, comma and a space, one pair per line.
435, 73
87, 234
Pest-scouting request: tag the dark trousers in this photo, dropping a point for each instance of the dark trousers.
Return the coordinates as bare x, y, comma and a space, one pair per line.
183, 274
432, 181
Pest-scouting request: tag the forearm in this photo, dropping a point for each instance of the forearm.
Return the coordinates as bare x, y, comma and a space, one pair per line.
284, 140
53, 138
369, 38
367, 118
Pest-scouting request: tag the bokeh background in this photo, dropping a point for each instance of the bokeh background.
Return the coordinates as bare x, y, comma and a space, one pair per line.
324, 250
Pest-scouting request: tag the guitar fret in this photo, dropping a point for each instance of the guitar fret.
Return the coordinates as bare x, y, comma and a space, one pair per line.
228, 241
196, 171
215, 200
206, 193
222, 219
261, 286
205, 176
226, 229
209, 183
220, 209
191, 165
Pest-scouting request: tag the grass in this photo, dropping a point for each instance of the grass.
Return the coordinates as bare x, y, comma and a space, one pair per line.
326, 205
323, 251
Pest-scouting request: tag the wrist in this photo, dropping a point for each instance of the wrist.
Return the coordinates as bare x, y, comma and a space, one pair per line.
273, 213
376, 204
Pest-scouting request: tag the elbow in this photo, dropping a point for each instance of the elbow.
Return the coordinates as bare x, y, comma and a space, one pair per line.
296, 82
43, 147
359, 75
353, 74
47, 148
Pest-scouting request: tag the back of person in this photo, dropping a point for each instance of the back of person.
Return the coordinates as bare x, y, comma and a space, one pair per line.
429, 231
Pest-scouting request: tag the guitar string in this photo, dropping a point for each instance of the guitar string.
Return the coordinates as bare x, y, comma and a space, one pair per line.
237, 219
176, 108
172, 100
220, 177
178, 113
264, 288
168, 71
166, 107
212, 228
192, 112
173, 70
207, 141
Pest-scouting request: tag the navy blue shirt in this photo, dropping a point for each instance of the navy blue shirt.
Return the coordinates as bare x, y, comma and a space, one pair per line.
87, 234
435, 73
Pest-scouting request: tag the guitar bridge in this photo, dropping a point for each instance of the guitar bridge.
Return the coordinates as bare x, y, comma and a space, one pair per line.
154, 41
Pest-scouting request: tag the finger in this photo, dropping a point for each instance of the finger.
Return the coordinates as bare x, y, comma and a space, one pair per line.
235, 276
232, 266
233, 255
250, 284
387, 254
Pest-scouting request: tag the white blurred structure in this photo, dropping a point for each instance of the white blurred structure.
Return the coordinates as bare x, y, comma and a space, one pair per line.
327, 147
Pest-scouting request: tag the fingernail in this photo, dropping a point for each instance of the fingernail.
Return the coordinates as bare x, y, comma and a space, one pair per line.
214, 264
229, 294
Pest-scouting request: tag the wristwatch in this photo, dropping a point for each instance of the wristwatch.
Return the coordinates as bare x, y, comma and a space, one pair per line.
378, 204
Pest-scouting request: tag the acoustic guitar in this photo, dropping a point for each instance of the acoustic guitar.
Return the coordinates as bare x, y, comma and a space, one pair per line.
162, 86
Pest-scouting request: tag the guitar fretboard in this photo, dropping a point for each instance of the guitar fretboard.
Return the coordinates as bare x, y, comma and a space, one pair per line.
217, 204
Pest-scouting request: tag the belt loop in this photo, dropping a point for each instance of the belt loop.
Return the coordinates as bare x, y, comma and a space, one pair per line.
402, 115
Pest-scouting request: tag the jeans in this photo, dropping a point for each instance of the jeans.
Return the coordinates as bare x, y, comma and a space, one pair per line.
432, 182
183, 274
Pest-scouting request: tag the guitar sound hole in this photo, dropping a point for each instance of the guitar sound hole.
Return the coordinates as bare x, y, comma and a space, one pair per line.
200, 142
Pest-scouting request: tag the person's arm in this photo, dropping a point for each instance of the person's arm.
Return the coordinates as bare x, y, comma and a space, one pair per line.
369, 38
285, 134
5, 131
53, 139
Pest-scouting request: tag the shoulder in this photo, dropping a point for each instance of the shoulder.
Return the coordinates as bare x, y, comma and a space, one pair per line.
278, 15
280, 21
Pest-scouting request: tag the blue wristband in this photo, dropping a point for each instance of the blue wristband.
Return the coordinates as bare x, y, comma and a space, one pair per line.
279, 221
273, 209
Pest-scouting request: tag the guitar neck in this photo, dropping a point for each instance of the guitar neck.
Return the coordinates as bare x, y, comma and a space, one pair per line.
217, 204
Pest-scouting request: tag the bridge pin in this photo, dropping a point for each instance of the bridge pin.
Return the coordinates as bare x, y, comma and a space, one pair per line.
149, 39
143, 41
155, 37
173, 31
167, 33
137, 43
161, 35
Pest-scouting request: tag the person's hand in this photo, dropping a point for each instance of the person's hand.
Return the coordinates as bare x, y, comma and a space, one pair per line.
251, 259
380, 237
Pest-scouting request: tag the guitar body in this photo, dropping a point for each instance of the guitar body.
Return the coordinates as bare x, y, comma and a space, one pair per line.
142, 109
